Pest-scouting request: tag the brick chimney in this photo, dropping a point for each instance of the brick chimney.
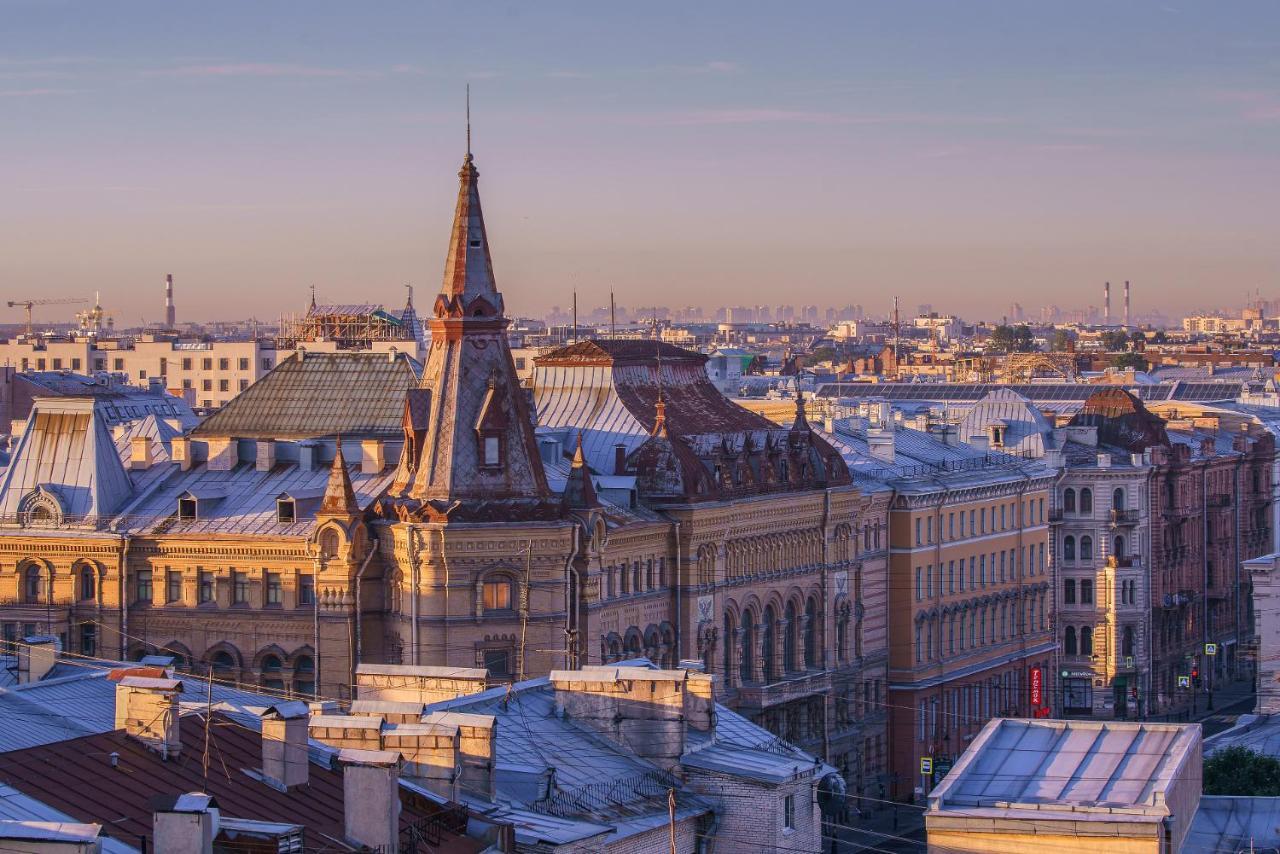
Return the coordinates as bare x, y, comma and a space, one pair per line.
140, 453
430, 752
36, 657
184, 824
284, 745
635, 707
224, 454
181, 446
147, 710
347, 731
265, 459
477, 748
371, 798
373, 456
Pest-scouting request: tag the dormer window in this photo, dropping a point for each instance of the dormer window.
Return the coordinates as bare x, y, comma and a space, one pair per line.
286, 511
187, 509
475, 243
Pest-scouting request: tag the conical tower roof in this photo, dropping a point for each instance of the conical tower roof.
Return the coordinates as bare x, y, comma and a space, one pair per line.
469, 286
339, 497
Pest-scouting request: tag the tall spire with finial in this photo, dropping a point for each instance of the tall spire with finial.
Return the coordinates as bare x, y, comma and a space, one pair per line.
468, 121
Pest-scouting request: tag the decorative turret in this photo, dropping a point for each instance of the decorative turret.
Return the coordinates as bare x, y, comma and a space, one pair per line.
339, 497
579, 492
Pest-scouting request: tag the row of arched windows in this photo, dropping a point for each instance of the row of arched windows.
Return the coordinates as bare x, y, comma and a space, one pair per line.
764, 646
974, 625
272, 668
1085, 550
1072, 646
35, 582
1084, 504
656, 643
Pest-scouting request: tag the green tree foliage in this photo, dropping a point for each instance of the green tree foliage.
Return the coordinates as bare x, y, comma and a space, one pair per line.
1061, 341
1117, 340
1240, 771
1129, 360
818, 356
1012, 339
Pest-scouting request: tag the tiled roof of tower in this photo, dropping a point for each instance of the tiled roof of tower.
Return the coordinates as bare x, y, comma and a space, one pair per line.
358, 395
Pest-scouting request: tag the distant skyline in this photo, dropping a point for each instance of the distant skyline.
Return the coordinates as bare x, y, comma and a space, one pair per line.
967, 155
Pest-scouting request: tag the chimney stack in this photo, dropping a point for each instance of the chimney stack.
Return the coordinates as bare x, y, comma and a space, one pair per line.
147, 710
1126, 302
284, 744
140, 457
185, 824
181, 452
371, 797
36, 657
170, 317
1106, 304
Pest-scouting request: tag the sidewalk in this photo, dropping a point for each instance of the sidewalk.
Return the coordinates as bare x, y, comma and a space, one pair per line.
1227, 701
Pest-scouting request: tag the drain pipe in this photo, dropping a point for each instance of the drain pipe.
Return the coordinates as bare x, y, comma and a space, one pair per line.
125, 542
413, 603
679, 615
359, 646
572, 593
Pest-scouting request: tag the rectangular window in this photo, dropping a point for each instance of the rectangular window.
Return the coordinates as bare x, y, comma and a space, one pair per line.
244, 384
243, 364
57, 364
929, 571
186, 364
206, 385
982, 569
951, 576
919, 525
1069, 591
88, 639
186, 383
205, 584
266, 364
273, 589
919, 584
144, 587
496, 595
789, 812
173, 586
239, 588
491, 445
1086, 592
982, 520
224, 364
951, 526
498, 663
306, 589
206, 364
929, 528
224, 385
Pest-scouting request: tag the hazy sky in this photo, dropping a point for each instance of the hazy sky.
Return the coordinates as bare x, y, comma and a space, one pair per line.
964, 154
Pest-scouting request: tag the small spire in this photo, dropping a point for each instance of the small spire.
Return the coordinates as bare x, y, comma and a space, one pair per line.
579, 491
660, 416
339, 497
409, 288
801, 422
313, 297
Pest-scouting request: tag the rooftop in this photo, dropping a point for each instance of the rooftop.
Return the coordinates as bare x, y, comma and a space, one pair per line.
313, 395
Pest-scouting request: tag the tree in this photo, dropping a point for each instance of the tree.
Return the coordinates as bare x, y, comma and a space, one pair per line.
1240, 771
1061, 341
1115, 340
819, 355
1129, 360
1012, 339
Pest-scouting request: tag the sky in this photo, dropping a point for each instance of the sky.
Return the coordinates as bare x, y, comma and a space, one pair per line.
963, 154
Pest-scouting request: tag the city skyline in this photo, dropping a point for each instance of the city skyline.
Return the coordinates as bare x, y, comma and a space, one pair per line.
964, 157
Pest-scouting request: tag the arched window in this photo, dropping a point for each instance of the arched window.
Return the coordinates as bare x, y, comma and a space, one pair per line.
88, 584
272, 672
789, 639
1126, 645
33, 586
496, 594
1117, 548
768, 626
304, 675
1117, 499
1086, 500
329, 541
811, 634
1086, 547
1086, 640
1069, 500
745, 662
1068, 547
727, 644
223, 662
1069, 641
842, 635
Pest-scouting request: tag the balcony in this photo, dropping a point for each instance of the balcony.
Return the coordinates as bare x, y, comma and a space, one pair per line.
793, 686
1124, 518
1127, 562
1055, 515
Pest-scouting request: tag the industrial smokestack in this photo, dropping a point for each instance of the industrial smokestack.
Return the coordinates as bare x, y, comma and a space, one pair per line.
170, 317
1106, 303
1126, 302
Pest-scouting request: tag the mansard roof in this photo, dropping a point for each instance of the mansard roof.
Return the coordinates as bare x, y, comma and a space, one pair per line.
312, 395
1122, 420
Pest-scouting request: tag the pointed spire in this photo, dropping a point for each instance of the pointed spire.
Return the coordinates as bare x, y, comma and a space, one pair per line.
339, 497
579, 491
660, 417
469, 288
801, 422
313, 297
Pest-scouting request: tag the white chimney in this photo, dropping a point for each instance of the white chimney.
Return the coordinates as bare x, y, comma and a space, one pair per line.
224, 454
266, 456
373, 456
306, 456
36, 657
284, 744
140, 457
147, 710
185, 824
181, 446
371, 797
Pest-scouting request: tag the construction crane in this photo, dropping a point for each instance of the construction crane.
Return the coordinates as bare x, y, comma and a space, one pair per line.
28, 303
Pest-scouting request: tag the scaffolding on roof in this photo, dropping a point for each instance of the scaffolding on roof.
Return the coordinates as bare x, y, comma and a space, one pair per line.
353, 327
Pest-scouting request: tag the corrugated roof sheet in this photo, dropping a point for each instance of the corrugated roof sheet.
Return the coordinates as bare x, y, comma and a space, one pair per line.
357, 395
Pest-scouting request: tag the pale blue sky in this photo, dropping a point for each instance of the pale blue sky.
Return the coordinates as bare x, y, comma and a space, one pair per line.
959, 153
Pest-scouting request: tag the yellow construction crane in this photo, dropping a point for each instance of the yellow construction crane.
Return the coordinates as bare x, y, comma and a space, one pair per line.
27, 303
